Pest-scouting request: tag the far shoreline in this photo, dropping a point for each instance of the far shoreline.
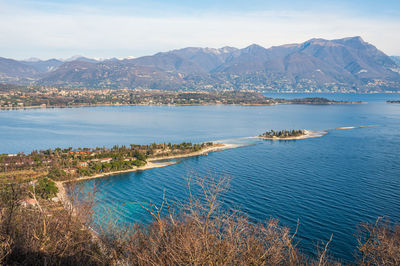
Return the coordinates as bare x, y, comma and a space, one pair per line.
173, 105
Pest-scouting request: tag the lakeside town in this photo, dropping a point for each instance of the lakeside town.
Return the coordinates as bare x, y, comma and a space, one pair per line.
19, 97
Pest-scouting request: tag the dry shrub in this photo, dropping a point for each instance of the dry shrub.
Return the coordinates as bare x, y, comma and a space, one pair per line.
231, 242
200, 233
5, 246
324, 258
379, 243
45, 235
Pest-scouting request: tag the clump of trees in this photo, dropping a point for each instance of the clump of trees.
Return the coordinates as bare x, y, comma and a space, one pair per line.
45, 188
283, 133
56, 173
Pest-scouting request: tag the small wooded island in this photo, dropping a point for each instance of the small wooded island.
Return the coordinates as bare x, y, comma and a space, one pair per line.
290, 134
283, 133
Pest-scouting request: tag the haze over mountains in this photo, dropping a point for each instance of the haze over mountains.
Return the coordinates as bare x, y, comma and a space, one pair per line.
396, 59
348, 64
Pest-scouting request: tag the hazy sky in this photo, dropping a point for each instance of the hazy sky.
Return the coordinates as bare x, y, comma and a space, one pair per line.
122, 28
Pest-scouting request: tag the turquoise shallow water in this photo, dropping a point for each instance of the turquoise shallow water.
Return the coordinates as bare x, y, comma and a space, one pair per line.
329, 184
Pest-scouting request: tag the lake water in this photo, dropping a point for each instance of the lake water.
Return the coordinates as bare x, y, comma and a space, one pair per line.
329, 184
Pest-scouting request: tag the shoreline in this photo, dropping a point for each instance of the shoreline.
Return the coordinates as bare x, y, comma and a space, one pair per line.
308, 134
62, 194
205, 151
177, 105
149, 165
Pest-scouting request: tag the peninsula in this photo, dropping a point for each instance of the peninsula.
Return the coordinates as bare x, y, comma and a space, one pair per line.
68, 165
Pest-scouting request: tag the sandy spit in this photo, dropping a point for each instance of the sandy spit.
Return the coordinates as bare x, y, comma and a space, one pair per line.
359, 127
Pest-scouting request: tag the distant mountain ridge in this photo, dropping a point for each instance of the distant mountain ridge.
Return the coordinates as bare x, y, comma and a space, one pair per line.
348, 64
43, 66
396, 59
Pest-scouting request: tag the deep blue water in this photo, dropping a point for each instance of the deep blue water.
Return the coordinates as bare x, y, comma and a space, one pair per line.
329, 184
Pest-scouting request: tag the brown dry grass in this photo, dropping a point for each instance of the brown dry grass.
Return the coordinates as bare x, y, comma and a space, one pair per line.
20, 176
379, 243
42, 236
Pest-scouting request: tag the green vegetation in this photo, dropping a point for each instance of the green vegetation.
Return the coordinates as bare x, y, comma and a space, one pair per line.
45, 188
282, 133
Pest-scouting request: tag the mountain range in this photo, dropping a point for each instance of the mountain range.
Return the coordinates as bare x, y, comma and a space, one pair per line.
348, 64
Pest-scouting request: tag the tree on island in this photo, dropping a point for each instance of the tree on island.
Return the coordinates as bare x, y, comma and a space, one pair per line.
282, 133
